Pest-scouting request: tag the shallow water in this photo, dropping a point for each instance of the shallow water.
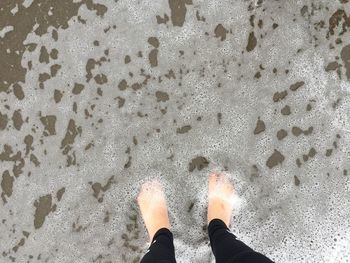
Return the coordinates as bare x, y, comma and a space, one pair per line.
99, 96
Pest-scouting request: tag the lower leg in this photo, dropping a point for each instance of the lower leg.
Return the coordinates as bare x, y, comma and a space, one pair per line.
226, 248
161, 248
154, 212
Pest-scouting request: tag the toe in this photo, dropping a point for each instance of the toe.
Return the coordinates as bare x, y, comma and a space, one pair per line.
212, 182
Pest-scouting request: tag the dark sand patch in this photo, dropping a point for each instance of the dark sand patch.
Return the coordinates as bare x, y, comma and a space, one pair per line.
252, 42
281, 134
312, 152
28, 140
87, 147
286, 110
335, 20
199, 162
200, 18
60, 193
296, 131
121, 101
153, 57
42, 78
128, 163
16, 158
57, 95
296, 180
345, 56
71, 132
90, 65
296, 85
170, 74
19, 244
18, 91
178, 11
99, 91
162, 96
123, 84
134, 140
260, 127
49, 123
54, 69
278, 96
23, 23
43, 208
54, 34
17, 119
101, 79
275, 159
153, 41
298, 162
329, 152
106, 218
219, 117
332, 66
54, 53
127, 59
75, 107
183, 129
78, 88
304, 10
136, 86
161, 20
220, 32
3, 121
34, 160
99, 190
44, 55
6, 185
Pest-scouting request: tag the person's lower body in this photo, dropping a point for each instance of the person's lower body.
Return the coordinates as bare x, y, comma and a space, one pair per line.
226, 248
161, 249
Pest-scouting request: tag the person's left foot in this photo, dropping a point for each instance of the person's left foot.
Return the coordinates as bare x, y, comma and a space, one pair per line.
152, 203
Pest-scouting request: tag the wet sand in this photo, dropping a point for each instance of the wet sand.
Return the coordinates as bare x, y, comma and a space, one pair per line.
98, 96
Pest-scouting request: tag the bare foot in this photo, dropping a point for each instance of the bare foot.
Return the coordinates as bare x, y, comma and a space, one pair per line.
152, 203
220, 197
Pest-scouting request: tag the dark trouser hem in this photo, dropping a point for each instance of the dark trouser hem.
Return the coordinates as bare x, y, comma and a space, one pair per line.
161, 249
227, 249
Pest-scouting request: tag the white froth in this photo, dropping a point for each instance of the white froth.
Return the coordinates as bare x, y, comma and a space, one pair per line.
289, 223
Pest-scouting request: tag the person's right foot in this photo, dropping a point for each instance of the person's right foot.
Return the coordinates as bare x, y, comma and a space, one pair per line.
220, 198
153, 207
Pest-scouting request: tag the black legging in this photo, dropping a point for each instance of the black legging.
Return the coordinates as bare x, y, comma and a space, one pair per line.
226, 248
